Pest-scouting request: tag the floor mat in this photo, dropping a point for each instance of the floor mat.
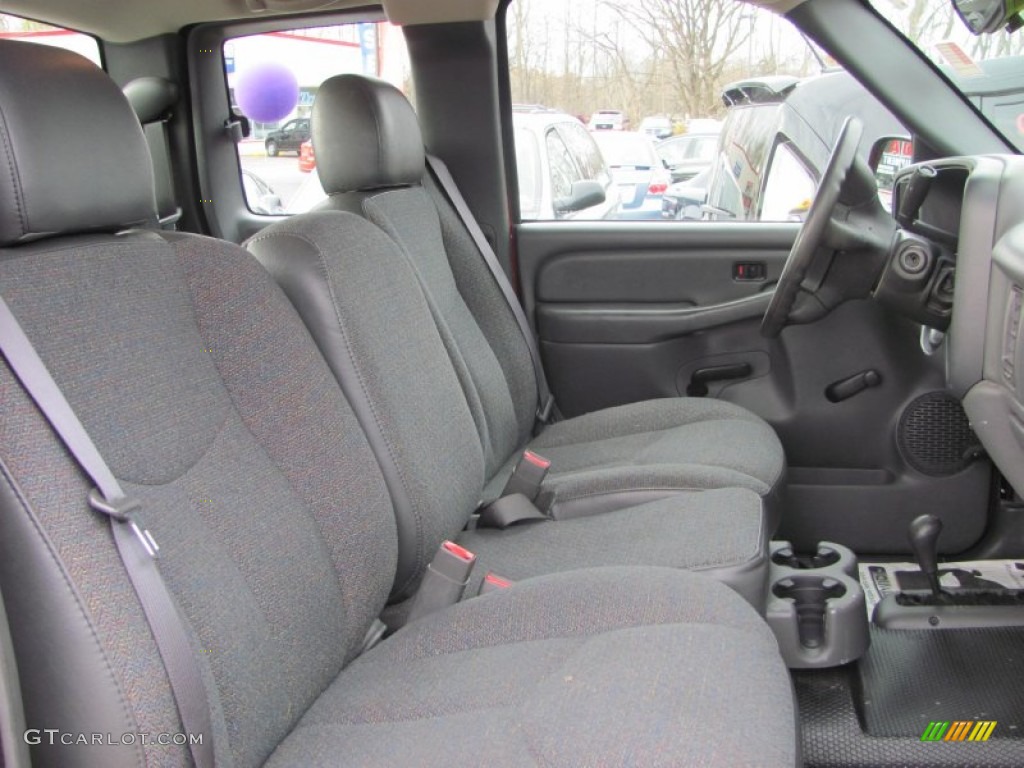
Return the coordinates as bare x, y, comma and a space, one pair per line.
832, 736
912, 678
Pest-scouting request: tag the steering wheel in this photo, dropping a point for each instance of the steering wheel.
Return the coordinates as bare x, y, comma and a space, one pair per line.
808, 249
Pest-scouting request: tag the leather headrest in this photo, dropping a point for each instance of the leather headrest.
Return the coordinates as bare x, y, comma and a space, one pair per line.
366, 135
151, 97
72, 154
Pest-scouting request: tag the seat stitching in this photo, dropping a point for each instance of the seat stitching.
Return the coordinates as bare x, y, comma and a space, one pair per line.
15, 176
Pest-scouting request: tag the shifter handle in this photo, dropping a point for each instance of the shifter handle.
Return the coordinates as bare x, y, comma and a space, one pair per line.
924, 539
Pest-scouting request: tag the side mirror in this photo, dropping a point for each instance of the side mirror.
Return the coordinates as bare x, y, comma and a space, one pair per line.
888, 155
988, 16
584, 194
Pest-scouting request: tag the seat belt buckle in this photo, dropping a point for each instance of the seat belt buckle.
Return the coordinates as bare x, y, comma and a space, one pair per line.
493, 583
444, 582
125, 511
527, 477
546, 409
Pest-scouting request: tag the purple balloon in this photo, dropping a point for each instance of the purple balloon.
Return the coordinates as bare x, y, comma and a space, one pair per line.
266, 92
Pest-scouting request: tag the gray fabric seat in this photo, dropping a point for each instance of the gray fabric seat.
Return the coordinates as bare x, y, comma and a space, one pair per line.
210, 402
583, 660
371, 317
370, 158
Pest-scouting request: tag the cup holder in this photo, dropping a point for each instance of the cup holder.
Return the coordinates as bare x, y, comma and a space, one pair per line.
823, 557
810, 595
815, 605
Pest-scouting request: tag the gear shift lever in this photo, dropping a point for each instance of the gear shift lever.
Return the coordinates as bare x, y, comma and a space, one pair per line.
924, 538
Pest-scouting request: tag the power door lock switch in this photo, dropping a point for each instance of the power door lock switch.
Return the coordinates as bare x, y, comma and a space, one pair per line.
749, 271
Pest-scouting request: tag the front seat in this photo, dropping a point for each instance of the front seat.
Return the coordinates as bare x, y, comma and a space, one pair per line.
370, 158
205, 394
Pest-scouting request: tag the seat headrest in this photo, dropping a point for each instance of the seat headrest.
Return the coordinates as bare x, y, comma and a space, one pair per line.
151, 97
72, 154
366, 135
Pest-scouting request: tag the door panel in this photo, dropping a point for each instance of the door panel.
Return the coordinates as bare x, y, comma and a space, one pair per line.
630, 312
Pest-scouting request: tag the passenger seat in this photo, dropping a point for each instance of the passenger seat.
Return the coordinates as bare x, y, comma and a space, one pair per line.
205, 394
370, 158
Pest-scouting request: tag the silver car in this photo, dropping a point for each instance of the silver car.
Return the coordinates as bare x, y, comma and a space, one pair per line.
562, 174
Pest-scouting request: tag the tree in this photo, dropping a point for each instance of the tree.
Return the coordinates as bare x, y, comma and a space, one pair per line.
696, 38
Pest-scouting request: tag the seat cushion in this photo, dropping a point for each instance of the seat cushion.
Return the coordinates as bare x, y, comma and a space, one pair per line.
720, 533
645, 450
613, 666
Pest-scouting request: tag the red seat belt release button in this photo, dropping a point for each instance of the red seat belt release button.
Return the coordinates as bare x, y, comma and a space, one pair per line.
528, 476
444, 582
493, 582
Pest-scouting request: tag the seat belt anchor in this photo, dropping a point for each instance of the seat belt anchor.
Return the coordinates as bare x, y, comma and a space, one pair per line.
546, 409
125, 510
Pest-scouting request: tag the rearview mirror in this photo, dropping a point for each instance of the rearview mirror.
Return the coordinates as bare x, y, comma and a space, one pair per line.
988, 16
584, 194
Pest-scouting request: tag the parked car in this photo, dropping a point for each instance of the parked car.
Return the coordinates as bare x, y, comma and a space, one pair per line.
561, 171
608, 120
639, 173
287, 138
687, 155
685, 199
773, 147
656, 126
260, 196
307, 157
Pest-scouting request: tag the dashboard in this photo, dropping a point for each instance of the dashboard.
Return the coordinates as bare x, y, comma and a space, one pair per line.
970, 218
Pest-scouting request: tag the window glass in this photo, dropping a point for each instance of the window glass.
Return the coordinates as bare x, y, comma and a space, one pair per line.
586, 152
273, 79
528, 171
562, 169
988, 69
789, 186
686, 124
17, 28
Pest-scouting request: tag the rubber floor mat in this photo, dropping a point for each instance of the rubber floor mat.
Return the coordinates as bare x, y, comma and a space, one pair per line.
911, 678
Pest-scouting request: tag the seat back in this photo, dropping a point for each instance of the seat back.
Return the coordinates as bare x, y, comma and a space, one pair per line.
370, 157
207, 397
369, 314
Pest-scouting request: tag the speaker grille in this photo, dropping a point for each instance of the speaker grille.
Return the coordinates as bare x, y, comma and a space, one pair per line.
934, 435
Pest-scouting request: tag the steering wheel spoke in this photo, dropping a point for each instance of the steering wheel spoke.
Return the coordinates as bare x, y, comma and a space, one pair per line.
831, 230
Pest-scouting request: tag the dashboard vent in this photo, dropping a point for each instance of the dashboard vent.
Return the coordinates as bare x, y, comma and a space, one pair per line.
934, 435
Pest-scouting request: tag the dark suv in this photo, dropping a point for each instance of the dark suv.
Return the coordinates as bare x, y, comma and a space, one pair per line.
288, 137
774, 145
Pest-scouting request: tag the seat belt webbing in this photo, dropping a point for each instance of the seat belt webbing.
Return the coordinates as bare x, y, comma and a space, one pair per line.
451, 190
137, 548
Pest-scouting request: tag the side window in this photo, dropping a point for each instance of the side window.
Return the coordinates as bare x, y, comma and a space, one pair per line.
273, 79
563, 170
788, 188
587, 155
648, 70
17, 28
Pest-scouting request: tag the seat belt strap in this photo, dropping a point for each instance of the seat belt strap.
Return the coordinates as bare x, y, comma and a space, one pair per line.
135, 545
546, 401
508, 511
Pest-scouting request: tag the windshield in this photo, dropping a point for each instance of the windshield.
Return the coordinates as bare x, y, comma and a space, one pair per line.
988, 69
